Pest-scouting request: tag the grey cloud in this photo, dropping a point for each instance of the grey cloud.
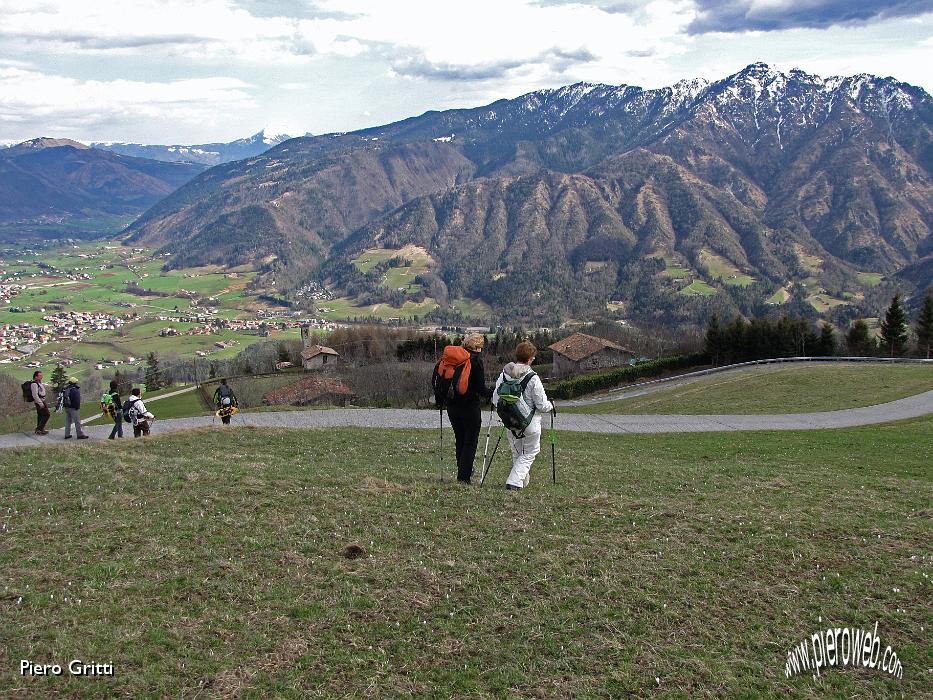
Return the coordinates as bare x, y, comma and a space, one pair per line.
644, 53
557, 59
421, 67
295, 9
749, 15
104, 43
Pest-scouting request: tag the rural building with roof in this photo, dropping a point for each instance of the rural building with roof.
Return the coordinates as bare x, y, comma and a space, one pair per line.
318, 356
580, 352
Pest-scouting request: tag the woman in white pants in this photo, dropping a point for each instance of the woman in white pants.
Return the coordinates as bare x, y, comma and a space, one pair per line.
525, 448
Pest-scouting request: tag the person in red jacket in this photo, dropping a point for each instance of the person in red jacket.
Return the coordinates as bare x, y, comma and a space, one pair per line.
465, 412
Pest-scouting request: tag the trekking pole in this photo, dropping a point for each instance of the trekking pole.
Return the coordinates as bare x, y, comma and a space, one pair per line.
440, 444
483, 480
486, 448
553, 443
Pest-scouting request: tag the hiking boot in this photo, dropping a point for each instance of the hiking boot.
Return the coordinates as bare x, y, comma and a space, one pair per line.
83, 437
67, 437
512, 487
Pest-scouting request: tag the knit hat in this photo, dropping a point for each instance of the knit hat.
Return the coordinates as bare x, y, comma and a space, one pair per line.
72, 380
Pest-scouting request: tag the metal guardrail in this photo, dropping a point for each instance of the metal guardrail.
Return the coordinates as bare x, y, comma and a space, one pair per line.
771, 361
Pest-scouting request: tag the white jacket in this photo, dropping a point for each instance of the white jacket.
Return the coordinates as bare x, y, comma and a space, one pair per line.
534, 392
141, 408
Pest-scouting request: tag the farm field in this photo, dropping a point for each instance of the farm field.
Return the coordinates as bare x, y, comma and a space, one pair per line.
698, 288
721, 269
268, 563
776, 389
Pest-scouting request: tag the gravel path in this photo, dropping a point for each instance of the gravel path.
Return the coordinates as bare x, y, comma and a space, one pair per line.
911, 407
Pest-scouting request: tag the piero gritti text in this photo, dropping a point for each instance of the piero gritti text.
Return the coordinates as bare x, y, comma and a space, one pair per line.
75, 667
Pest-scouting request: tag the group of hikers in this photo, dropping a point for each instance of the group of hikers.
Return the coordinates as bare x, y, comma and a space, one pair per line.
459, 384
133, 410
518, 397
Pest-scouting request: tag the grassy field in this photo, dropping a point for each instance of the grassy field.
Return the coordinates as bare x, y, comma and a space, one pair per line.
698, 288
723, 270
779, 389
870, 279
823, 302
217, 564
781, 296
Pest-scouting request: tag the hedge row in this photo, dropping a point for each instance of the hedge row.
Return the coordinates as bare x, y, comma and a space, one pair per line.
588, 383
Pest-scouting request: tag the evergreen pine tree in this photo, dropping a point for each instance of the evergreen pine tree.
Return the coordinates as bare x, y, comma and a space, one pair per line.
153, 377
894, 328
925, 327
827, 345
714, 340
858, 339
59, 379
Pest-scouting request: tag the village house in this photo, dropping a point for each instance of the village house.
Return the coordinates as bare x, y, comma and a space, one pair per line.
586, 353
318, 356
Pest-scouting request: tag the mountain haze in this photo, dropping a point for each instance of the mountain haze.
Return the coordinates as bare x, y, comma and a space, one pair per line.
58, 186
588, 193
204, 153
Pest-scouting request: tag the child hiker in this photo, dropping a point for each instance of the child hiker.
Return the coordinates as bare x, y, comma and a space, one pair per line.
524, 448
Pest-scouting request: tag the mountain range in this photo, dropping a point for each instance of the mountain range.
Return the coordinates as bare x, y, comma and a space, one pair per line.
204, 153
759, 189
52, 187
767, 184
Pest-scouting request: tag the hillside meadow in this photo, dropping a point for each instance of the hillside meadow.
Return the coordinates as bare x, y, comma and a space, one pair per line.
258, 563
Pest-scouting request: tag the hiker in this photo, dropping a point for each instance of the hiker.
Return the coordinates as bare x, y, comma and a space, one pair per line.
72, 405
528, 442
464, 407
226, 402
114, 409
37, 391
136, 413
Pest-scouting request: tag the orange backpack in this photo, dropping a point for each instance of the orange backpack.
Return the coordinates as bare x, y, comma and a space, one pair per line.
451, 375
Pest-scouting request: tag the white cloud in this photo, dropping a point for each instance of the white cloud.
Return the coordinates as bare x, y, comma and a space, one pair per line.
447, 33
334, 65
56, 105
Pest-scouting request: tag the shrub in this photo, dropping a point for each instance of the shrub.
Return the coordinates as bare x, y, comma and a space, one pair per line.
588, 383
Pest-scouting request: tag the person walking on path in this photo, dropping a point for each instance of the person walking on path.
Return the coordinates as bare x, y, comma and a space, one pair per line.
526, 447
72, 406
117, 408
39, 399
465, 411
225, 400
138, 414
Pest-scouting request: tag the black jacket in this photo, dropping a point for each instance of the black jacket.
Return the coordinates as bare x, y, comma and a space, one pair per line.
476, 388
73, 396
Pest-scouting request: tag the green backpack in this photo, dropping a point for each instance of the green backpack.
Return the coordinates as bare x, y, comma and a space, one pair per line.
106, 404
513, 410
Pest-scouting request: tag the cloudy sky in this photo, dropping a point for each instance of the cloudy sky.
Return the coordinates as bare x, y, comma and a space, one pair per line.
189, 71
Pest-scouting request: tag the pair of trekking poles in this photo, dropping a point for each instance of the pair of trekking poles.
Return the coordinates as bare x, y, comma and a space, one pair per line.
487, 465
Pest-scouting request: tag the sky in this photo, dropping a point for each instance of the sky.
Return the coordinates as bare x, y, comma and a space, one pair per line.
189, 71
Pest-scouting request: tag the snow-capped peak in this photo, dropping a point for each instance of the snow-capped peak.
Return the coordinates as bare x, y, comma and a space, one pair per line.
275, 132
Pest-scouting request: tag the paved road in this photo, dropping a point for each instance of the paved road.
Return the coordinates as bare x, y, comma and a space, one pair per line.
911, 407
